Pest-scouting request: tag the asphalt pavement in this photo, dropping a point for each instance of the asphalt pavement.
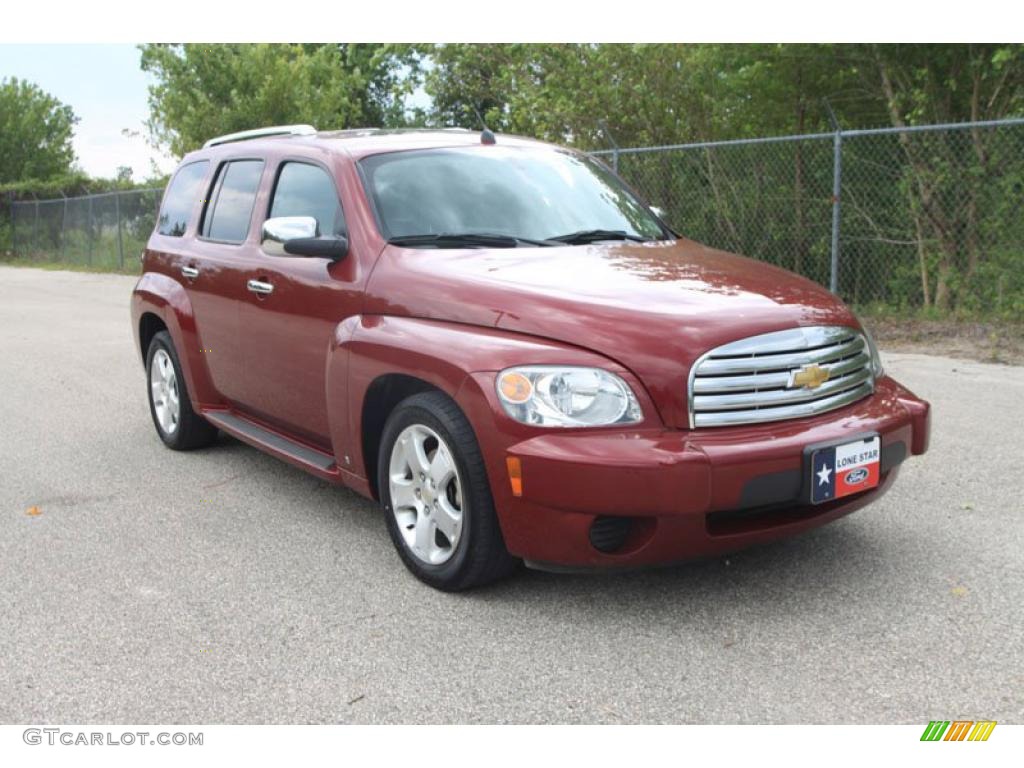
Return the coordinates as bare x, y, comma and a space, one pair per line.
224, 586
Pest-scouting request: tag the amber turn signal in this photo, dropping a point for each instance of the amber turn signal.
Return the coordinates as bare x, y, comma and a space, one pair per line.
515, 387
515, 475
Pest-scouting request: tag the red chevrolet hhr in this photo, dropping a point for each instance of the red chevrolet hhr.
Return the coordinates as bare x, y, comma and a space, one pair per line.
498, 341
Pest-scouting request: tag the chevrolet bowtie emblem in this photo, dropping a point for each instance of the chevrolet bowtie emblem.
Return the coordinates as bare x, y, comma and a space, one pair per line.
811, 376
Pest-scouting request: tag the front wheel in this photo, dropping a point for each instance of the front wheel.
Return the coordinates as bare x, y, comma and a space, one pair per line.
436, 496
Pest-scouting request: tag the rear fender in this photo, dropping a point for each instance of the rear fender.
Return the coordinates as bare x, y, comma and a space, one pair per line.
167, 299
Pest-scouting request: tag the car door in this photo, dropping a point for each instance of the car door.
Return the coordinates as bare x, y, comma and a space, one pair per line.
220, 260
288, 327
213, 298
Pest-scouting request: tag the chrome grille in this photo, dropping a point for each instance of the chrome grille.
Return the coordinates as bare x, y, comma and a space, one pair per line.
752, 380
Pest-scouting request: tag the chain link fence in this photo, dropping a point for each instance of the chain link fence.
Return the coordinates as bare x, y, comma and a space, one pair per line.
106, 231
922, 217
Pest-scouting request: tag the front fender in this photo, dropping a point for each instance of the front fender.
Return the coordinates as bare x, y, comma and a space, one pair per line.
451, 357
166, 298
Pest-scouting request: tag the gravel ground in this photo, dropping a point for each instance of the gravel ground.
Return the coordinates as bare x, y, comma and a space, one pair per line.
989, 341
224, 586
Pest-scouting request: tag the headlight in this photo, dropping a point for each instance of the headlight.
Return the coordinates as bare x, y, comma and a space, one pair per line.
876, 360
564, 396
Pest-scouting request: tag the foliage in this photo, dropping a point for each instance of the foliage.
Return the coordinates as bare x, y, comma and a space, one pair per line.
35, 133
208, 90
73, 184
949, 183
651, 94
930, 222
925, 219
643, 94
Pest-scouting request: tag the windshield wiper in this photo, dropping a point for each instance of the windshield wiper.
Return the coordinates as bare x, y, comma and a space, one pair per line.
464, 239
595, 235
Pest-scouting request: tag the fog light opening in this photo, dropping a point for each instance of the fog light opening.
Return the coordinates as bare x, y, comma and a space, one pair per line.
609, 534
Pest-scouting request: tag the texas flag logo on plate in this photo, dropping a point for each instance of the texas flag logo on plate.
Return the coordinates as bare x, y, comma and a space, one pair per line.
840, 470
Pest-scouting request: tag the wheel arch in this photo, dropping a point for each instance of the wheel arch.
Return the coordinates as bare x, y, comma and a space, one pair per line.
376, 362
161, 303
150, 324
383, 395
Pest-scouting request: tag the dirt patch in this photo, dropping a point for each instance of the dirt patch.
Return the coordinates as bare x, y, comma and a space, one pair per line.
984, 341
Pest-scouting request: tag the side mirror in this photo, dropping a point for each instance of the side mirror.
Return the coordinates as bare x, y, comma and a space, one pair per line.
333, 248
284, 228
300, 236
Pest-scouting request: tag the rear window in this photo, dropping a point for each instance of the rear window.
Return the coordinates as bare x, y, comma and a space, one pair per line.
180, 199
229, 212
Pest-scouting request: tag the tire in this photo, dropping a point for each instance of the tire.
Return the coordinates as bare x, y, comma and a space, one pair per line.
448, 551
181, 428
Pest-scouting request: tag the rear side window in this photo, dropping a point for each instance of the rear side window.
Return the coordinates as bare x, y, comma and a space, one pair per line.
230, 209
180, 199
308, 190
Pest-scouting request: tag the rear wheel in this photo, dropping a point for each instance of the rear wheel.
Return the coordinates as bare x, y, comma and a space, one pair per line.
178, 425
436, 496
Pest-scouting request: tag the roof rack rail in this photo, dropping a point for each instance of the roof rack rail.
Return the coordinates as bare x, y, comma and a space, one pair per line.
257, 133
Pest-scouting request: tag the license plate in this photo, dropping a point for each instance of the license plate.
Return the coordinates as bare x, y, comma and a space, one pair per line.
843, 469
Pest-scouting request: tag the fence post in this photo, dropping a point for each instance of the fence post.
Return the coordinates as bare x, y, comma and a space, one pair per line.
120, 240
837, 188
89, 230
64, 230
35, 229
14, 225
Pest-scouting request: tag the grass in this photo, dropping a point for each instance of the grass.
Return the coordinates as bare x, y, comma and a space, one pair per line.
988, 338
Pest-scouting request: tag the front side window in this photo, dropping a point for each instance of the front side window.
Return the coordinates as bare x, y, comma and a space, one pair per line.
230, 210
308, 190
182, 193
521, 192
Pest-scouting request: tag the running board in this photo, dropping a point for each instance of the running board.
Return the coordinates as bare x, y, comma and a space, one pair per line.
310, 459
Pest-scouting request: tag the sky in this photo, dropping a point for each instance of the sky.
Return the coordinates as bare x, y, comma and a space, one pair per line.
105, 87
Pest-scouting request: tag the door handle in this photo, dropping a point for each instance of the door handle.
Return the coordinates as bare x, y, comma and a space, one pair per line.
258, 286
190, 272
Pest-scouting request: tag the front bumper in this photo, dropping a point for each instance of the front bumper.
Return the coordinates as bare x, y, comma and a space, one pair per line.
676, 494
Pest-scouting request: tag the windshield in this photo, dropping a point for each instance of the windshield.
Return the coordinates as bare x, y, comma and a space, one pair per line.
527, 193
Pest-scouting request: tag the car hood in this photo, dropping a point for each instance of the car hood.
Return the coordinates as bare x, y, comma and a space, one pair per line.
654, 308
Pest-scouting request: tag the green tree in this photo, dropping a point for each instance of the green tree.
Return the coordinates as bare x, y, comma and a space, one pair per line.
388, 73
208, 90
35, 133
467, 82
587, 94
947, 181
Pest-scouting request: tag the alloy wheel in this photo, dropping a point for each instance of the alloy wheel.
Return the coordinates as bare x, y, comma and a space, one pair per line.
426, 494
163, 385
